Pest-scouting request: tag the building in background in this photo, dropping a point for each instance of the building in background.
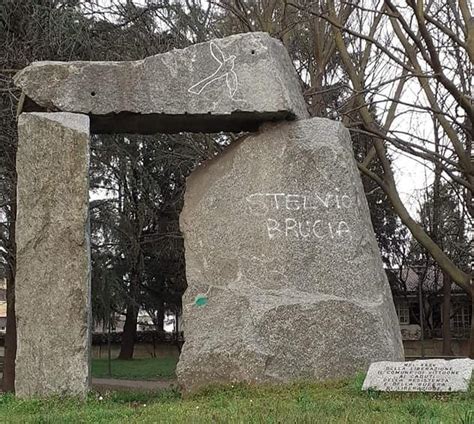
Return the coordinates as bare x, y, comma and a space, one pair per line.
412, 287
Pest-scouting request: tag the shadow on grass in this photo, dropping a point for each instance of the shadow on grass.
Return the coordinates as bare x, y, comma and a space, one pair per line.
136, 369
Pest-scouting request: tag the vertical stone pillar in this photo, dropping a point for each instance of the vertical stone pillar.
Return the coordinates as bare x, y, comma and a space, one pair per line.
53, 263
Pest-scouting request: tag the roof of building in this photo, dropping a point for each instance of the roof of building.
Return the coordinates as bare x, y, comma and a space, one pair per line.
408, 279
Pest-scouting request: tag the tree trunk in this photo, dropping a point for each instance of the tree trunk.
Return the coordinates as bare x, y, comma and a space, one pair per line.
446, 329
129, 331
8, 379
470, 352
178, 321
388, 184
160, 317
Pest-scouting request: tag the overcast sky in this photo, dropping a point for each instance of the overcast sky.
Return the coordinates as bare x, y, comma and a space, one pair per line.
412, 176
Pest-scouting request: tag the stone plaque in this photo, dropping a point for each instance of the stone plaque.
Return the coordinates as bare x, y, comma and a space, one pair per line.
431, 375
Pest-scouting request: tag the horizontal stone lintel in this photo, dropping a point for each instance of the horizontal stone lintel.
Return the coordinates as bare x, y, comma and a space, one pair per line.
229, 84
153, 123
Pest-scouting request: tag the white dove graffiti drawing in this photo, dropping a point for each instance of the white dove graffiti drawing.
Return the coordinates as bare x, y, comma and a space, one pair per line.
225, 70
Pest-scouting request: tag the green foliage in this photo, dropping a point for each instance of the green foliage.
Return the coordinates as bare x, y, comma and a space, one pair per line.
137, 248
332, 402
441, 216
136, 369
32, 30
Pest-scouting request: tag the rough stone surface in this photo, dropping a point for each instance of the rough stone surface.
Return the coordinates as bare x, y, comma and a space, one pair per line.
234, 83
53, 268
285, 279
430, 375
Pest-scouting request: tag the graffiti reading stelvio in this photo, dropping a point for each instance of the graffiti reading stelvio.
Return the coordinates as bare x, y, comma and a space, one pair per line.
301, 216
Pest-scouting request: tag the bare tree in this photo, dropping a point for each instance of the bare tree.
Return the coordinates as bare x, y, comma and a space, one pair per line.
387, 67
428, 53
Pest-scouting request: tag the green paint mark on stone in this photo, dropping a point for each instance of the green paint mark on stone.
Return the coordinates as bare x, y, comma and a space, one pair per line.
200, 300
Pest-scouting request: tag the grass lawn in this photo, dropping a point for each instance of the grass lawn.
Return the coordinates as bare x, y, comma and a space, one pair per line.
136, 369
337, 402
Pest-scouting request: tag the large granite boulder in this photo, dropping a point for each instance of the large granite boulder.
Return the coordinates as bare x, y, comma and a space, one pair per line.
53, 267
232, 84
285, 279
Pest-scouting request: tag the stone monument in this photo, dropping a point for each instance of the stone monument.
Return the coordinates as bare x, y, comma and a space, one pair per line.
285, 278
279, 242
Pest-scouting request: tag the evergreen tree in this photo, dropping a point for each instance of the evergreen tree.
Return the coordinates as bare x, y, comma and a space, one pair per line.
138, 251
